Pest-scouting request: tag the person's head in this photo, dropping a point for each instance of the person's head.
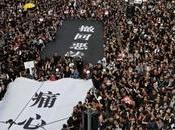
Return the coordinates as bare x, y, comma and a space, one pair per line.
64, 126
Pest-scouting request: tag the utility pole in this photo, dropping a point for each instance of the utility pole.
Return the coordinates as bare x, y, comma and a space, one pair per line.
90, 114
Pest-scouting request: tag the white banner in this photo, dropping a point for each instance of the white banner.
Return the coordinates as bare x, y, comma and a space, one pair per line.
30, 104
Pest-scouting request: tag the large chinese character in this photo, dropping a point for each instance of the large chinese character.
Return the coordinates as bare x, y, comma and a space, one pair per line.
79, 46
82, 36
74, 54
86, 29
32, 123
44, 99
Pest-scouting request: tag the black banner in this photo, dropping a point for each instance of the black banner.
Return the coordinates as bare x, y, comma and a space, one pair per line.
78, 38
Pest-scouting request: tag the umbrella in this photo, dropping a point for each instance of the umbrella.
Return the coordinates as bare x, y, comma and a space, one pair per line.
29, 6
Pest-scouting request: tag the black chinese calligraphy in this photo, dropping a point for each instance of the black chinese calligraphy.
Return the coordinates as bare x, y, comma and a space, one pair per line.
44, 99
31, 123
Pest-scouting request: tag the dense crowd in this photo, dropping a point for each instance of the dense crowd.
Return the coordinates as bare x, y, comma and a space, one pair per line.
134, 82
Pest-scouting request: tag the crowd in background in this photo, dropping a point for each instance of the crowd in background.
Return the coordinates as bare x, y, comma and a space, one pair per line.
134, 82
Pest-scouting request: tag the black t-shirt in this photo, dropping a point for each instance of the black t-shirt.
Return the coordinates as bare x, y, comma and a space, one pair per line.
152, 126
67, 74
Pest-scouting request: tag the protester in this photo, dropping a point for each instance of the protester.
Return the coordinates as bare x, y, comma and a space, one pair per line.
65, 127
134, 82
